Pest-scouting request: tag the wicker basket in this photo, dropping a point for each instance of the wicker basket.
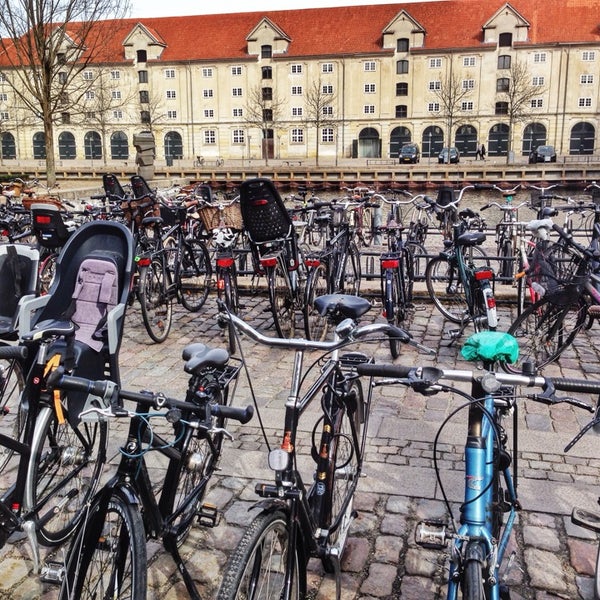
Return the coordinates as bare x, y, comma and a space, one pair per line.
230, 215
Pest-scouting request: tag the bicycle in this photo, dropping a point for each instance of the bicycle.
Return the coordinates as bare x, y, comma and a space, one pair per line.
108, 556
460, 290
299, 521
479, 541
363, 221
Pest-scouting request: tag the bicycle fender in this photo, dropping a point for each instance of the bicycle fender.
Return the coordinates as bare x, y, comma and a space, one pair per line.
271, 504
475, 551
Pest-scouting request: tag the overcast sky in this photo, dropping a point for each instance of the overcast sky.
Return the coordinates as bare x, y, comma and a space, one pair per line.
175, 8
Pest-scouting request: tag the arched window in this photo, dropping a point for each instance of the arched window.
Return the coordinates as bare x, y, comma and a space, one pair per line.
119, 146
466, 140
267, 72
67, 149
504, 61
92, 143
173, 145
398, 137
502, 84
9, 148
498, 140
266, 51
369, 143
534, 135
432, 141
39, 146
582, 138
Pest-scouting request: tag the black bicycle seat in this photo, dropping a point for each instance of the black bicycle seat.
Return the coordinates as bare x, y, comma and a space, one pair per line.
198, 355
471, 239
342, 305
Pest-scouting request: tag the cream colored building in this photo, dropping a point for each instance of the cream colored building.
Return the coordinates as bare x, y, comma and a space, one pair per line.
382, 74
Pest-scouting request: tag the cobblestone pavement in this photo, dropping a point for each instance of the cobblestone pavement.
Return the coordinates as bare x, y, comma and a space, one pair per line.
553, 559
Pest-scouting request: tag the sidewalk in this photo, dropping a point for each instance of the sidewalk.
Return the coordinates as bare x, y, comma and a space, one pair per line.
553, 559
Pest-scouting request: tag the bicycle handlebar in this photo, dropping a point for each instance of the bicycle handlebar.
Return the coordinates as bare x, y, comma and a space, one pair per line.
9, 352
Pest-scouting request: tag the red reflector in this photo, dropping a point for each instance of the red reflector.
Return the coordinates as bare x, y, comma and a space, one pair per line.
268, 262
312, 262
143, 262
491, 302
4, 233
484, 274
43, 219
390, 263
260, 202
220, 284
225, 262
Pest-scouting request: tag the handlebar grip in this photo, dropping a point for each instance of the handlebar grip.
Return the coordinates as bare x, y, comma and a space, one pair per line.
8, 352
485, 207
243, 415
483, 186
58, 379
98, 197
567, 384
377, 370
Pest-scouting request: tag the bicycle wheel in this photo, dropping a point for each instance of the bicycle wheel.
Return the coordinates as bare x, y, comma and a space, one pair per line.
344, 469
107, 557
194, 275
393, 305
47, 272
156, 305
227, 291
351, 272
200, 453
67, 456
256, 569
12, 415
418, 255
366, 226
545, 329
446, 290
282, 301
472, 584
507, 262
315, 326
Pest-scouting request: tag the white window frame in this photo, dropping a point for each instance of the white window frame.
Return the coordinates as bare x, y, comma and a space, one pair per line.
115, 74
237, 112
116, 95
238, 137
588, 55
236, 70
4, 115
88, 75
370, 88
209, 113
369, 109
369, 66
435, 63
327, 135
296, 69
468, 84
469, 61
296, 135
538, 80
208, 93
327, 110
433, 107
586, 79
296, 90
171, 94
539, 57
89, 95
171, 114
467, 105
169, 73
117, 114
207, 71
537, 103
297, 111
584, 102
237, 92
210, 137
435, 85
327, 88
327, 67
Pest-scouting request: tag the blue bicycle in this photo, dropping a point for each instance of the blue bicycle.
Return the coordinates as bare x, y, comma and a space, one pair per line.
487, 514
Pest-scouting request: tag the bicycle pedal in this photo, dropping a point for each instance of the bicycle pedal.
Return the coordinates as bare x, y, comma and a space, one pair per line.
432, 533
53, 572
594, 310
586, 519
208, 515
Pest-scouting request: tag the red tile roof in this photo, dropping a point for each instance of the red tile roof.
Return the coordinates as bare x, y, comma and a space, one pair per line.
357, 29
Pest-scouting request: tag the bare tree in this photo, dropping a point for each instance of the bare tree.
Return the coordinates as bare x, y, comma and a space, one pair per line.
319, 104
45, 45
451, 94
263, 111
518, 92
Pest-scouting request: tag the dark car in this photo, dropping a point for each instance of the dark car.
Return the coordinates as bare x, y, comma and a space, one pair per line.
449, 155
542, 154
410, 153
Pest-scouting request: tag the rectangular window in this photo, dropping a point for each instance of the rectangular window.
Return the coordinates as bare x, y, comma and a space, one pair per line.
435, 63
62, 77
89, 95
468, 84
236, 92
236, 70
588, 55
115, 74
210, 137
466, 105
401, 67
369, 88
433, 107
328, 111
4, 116
369, 109
435, 85
143, 76
169, 73
296, 90
238, 112
504, 61
537, 103
171, 114
116, 94
296, 69
468, 61
88, 75
117, 114
3, 78
327, 88
207, 72
539, 57
327, 135
207, 93
327, 68
145, 116
90, 115
209, 113
297, 111
584, 102
538, 80
237, 136
369, 65
171, 94
587, 79
144, 96
297, 136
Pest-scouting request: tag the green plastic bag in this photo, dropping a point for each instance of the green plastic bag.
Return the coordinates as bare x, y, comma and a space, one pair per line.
491, 346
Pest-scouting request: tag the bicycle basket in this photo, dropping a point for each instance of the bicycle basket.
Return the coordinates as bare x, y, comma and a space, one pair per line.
213, 216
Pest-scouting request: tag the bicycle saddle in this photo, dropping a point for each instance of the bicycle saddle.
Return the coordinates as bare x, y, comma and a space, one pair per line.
491, 346
342, 305
471, 239
198, 355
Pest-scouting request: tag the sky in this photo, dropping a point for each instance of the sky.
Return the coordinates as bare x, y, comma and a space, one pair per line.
176, 8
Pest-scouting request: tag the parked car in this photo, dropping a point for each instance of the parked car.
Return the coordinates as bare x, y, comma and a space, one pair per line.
542, 154
449, 155
410, 153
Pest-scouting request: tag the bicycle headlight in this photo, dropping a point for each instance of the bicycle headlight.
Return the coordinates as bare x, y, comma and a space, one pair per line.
278, 459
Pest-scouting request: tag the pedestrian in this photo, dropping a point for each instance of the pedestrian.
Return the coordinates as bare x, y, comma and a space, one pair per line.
482, 152
478, 151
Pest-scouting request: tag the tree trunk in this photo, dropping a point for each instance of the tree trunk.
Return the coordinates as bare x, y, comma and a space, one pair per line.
50, 158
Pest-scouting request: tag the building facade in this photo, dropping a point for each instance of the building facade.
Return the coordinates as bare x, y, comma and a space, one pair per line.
334, 83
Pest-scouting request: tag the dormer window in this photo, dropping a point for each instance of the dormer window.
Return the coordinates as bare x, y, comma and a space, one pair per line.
142, 56
266, 51
402, 45
505, 40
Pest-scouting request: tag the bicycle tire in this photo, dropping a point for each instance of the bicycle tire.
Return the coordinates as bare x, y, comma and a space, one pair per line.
46, 273
597, 576
472, 583
445, 290
257, 566
316, 326
545, 329
156, 304
351, 272
227, 291
108, 551
12, 415
366, 226
194, 275
507, 262
343, 469
393, 295
418, 255
200, 454
66, 462
282, 303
